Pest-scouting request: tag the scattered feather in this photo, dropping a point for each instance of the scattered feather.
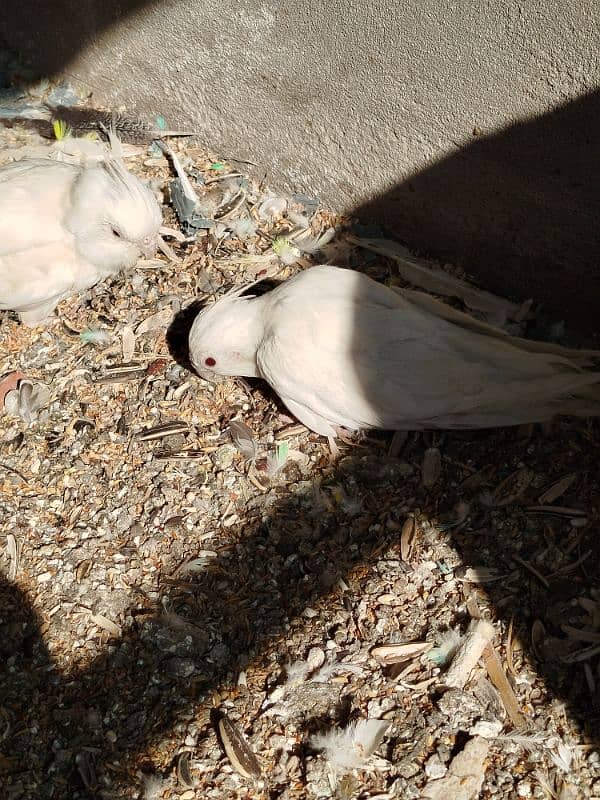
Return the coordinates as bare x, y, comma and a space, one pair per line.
8, 383
27, 400
444, 652
295, 674
351, 505
562, 757
276, 461
530, 742
272, 207
312, 244
301, 220
287, 252
349, 748
327, 671
61, 129
243, 228
95, 336
152, 787
243, 438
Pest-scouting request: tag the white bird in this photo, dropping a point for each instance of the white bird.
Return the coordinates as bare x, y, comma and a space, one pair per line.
64, 227
344, 351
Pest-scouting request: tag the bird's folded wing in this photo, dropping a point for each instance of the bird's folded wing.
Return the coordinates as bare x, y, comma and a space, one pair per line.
358, 364
36, 275
443, 311
420, 370
34, 197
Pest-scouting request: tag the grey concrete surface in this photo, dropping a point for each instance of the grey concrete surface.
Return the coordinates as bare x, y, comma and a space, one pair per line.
439, 118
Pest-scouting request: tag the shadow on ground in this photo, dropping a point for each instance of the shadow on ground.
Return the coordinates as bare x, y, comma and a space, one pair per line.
106, 721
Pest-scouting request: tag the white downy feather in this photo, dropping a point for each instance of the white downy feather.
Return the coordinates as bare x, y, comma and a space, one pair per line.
349, 748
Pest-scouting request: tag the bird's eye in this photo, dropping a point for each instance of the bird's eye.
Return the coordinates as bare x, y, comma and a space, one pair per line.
116, 233
210, 361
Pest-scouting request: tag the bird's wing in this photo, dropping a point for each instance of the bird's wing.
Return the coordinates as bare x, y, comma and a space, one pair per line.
419, 370
37, 275
444, 311
38, 260
358, 362
304, 356
34, 197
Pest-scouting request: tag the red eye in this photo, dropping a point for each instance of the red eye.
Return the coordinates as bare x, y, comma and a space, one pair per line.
210, 362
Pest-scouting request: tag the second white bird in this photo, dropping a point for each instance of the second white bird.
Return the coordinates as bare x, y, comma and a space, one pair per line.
64, 227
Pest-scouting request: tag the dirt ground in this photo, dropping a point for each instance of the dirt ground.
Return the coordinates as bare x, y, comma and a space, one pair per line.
186, 610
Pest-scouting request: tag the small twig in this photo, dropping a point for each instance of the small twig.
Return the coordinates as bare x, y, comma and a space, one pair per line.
531, 569
509, 647
571, 567
223, 177
15, 471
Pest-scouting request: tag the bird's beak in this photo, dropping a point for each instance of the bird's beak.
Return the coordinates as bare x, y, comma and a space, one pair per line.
149, 246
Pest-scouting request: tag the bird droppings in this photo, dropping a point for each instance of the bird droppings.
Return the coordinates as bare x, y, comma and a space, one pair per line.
171, 547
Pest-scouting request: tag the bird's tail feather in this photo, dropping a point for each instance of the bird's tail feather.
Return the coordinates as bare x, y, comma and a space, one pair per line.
585, 401
578, 358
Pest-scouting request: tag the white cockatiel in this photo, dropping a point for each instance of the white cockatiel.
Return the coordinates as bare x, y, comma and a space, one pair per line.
344, 351
64, 227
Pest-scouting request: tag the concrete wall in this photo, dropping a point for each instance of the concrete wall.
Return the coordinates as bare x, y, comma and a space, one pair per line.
469, 128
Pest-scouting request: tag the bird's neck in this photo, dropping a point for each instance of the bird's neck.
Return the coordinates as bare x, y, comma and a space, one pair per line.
249, 332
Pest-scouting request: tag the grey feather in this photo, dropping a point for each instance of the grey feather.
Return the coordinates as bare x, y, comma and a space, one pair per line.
82, 120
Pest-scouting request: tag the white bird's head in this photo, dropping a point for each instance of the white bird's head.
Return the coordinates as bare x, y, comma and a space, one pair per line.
225, 336
114, 217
